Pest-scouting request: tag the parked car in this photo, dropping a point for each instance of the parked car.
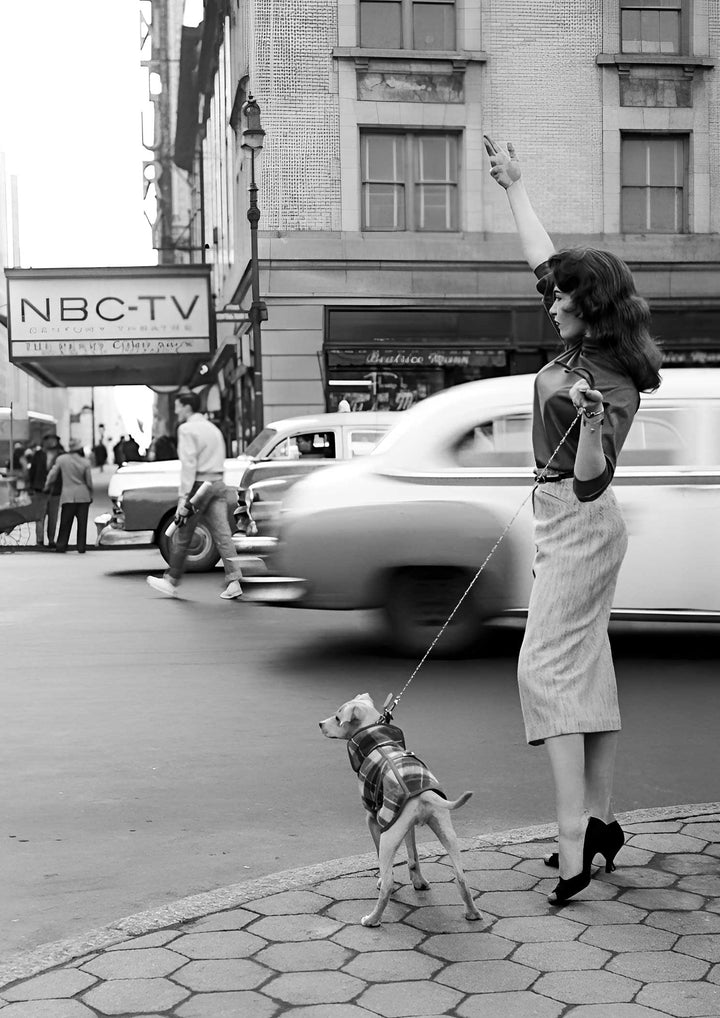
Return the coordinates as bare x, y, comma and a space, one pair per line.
406, 529
144, 495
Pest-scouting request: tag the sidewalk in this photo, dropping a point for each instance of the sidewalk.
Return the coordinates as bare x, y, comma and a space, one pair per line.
642, 942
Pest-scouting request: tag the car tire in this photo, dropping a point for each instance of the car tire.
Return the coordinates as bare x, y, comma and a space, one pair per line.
419, 601
202, 556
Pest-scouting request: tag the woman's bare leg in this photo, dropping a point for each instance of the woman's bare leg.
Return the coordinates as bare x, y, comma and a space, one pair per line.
567, 760
600, 750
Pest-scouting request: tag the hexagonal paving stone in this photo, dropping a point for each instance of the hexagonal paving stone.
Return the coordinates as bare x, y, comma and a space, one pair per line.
587, 987
633, 856
142, 963
157, 939
707, 884
228, 1005
532, 929
349, 887
487, 976
389, 937
479, 859
389, 966
353, 911
655, 898
322, 1011
58, 984
658, 966
654, 827
304, 956
685, 922
314, 987
135, 996
436, 894
682, 1000
713, 975
640, 876
295, 927
233, 919
222, 974
559, 956
601, 913
616, 1011
705, 946
502, 880
523, 1004
531, 849
222, 944
687, 864
408, 1000
667, 843
48, 1009
290, 903
708, 831
467, 947
629, 937
514, 903
442, 919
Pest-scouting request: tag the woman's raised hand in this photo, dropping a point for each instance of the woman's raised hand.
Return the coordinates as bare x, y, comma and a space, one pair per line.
505, 163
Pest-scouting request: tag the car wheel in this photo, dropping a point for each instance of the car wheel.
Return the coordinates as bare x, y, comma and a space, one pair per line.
202, 555
418, 603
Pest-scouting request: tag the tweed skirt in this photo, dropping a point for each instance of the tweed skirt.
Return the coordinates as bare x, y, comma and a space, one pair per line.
565, 669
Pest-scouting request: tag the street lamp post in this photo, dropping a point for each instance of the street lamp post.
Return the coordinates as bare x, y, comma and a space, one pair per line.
253, 137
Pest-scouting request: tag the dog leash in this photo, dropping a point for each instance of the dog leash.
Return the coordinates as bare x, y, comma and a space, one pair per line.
391, 701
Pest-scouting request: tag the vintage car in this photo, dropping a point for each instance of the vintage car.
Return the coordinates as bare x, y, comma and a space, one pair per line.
144, 495
406, 529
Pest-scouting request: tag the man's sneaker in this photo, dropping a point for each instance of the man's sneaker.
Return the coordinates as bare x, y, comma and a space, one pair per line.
163, 586
232, 590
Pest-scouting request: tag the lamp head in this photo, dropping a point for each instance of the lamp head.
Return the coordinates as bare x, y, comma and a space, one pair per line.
253, 135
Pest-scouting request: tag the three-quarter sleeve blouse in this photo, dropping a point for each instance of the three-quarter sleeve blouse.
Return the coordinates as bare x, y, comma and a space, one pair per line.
553, 410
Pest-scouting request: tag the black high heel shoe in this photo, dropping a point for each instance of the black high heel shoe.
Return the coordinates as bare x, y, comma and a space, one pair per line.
613, 841
566, 889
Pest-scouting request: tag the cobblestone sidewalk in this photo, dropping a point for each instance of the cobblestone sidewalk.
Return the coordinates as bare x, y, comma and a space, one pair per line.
642, 942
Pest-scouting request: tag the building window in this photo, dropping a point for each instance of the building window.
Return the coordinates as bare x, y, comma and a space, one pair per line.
654, 183
409, 181
651, 26
408, 24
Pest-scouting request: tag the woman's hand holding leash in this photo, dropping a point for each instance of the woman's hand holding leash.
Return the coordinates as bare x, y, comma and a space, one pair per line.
589, 401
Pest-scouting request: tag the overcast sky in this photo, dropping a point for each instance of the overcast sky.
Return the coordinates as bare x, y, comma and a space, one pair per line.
71, 94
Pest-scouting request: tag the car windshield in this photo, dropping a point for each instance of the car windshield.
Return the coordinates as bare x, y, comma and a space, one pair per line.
259, 443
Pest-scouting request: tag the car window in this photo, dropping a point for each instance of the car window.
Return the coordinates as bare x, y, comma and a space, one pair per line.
503, 441
686, 435
660, 436
258, 444
361, 441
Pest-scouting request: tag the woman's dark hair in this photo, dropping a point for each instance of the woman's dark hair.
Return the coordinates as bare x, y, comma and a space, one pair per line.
191, 399
604, 295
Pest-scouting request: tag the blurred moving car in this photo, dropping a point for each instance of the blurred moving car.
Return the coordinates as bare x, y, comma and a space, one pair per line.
406, 529
144, 495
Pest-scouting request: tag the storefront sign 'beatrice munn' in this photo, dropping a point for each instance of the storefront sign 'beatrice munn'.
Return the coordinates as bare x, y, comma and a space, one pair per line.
108, 312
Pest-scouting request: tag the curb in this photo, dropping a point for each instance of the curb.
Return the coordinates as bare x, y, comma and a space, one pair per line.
197, 906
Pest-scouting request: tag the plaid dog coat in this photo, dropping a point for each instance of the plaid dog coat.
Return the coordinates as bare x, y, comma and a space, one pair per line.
389, 774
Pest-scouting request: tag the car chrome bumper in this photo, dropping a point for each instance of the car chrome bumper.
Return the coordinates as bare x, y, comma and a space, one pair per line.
112, 537
245, 545
274, 589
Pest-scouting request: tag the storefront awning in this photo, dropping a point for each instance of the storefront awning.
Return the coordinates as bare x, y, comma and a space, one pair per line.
146, 325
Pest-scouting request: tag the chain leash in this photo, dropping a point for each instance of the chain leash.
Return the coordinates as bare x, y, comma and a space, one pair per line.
391, 701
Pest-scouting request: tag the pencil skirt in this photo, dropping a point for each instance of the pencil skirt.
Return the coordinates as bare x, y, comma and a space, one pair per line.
565, 669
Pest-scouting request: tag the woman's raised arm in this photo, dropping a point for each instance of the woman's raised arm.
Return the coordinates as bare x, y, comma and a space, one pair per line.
536, 244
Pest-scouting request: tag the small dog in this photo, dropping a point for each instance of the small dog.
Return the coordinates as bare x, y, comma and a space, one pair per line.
398, 792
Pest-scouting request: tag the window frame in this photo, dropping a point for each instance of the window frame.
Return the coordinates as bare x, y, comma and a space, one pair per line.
684, 33
685, 139
407, 10
411, 184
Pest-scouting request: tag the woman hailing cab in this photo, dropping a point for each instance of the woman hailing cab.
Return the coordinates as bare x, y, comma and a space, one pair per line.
566, 677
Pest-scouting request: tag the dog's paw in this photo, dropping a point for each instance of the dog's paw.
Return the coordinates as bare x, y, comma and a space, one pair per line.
367, 920
473, 915
420, 884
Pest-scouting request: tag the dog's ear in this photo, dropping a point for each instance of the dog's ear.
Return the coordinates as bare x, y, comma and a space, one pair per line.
348, 712
364, 696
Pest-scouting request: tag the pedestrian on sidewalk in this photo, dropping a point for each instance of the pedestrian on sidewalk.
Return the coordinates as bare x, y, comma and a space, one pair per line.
42, 462
565, 669
75, 496
201, 451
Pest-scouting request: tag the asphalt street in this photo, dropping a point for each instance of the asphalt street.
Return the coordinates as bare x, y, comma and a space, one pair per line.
153, 749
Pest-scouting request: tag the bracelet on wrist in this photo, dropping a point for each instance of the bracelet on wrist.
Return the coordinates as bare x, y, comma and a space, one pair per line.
589, 414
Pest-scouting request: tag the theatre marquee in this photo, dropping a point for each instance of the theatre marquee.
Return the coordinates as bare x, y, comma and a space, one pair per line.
148, 325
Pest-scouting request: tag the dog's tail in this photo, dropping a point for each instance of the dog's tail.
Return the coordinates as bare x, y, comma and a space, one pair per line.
456, 803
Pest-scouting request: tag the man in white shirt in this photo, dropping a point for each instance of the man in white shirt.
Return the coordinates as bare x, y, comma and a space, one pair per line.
201, 450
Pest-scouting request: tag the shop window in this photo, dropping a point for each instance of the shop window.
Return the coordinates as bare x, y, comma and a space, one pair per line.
651, 26
410, 181
408, 24
654, 180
